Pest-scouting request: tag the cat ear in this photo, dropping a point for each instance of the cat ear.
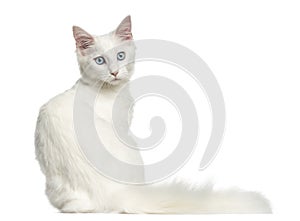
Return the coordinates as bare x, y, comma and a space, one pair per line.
83, 39
124, 29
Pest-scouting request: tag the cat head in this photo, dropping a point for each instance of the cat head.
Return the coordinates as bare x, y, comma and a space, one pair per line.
107, 58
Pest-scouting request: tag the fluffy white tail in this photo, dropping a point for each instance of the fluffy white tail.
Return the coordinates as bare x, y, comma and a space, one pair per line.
181, 198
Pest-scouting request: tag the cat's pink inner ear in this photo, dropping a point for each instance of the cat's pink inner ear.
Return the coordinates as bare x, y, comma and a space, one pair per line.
124, 29
83, 39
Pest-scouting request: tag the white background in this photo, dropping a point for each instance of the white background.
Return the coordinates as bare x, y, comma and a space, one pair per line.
253, 48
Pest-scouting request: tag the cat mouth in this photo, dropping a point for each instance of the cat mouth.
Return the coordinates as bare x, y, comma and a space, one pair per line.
115, 81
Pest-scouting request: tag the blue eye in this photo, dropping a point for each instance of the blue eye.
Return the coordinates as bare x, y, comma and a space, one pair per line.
99, 60
121, 56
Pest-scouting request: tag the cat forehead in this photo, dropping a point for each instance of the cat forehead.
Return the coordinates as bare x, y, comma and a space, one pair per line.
106, 42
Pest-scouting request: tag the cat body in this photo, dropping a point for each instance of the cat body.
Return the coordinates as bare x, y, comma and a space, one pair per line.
74, 185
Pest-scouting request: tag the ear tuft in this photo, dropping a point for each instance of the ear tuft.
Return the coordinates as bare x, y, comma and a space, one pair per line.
83, 39
124, 29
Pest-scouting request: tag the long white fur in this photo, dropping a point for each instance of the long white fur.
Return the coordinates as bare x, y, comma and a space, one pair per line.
73, 185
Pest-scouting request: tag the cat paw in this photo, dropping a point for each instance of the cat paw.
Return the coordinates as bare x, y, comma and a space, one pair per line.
78, 206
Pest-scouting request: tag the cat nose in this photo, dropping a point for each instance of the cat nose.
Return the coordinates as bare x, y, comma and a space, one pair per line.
114, 73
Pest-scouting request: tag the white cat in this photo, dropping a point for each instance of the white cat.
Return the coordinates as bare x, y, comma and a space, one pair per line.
73, 185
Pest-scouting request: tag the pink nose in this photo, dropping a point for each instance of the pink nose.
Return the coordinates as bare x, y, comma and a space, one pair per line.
114, 73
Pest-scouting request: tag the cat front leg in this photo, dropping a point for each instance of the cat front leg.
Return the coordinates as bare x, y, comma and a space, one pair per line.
78, 206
